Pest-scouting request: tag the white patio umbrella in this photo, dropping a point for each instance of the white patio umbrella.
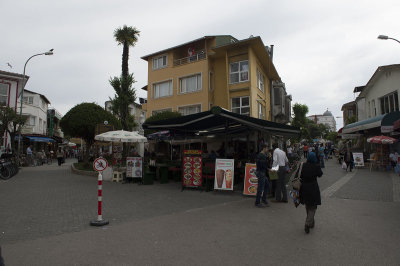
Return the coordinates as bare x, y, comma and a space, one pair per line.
121, 136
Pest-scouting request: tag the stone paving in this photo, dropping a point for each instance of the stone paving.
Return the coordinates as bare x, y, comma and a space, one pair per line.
45, 213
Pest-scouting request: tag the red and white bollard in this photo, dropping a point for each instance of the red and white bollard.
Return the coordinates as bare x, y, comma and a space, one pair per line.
99, 166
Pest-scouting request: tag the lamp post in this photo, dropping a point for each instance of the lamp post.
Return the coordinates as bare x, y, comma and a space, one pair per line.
50, 52
384, 37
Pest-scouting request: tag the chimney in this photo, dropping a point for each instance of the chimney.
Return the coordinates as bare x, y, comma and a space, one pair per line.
271, 53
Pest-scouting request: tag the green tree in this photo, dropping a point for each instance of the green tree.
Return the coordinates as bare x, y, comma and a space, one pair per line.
351, 119
332, 136
10, 122
81, 122
299, 119
161, 116
124, 92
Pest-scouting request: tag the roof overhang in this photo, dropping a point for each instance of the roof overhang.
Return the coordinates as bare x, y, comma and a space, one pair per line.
220, 121
385, 122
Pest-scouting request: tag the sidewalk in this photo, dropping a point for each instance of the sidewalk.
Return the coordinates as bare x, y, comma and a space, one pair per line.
45, 221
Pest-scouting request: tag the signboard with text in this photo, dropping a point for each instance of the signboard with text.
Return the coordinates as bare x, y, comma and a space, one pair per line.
134, 166
358, 159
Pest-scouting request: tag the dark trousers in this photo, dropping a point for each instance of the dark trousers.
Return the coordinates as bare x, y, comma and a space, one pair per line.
310, 209
280, 191
349, 165
59, 159
262, 189
305, 153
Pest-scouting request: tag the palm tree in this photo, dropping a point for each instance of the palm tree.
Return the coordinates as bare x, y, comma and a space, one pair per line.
125, 94
127, 36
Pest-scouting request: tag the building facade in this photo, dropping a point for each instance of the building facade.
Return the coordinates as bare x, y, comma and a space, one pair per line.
223, 71
10, 89
34, 108
326, 118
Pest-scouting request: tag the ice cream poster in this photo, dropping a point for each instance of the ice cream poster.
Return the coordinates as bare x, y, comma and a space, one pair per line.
358, 159
224, 174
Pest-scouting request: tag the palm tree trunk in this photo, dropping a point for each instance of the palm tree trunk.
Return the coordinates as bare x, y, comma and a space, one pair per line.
125, 58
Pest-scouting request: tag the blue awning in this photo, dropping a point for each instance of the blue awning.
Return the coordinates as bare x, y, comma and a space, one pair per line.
39, 139
363, 124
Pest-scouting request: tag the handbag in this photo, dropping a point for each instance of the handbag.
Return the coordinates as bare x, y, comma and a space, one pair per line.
296, 182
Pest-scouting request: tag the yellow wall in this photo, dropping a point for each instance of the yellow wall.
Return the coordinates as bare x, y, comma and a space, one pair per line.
223, 91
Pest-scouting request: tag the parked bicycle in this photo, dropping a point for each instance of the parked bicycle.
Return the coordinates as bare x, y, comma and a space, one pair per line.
8, 168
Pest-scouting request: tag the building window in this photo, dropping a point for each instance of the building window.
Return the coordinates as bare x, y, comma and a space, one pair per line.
260, 80
30, 120
241, 105
161, 111
277, 96
261, 111
162, 89
4, 88
188, 110
350, 113
373, 108
389, 103
190, 83
28, 100
160, 62
239, 71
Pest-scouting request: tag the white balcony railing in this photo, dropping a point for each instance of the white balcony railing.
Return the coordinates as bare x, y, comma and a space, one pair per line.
200, 55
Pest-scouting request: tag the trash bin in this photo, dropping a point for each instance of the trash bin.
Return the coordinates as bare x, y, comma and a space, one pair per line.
163, 174
148, 177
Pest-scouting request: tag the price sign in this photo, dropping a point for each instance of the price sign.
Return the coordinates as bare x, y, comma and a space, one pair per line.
100, 164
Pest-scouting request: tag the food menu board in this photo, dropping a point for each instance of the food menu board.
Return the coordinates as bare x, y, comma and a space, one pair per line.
134, 166
250, 180
224, 174
192, 168
358, 158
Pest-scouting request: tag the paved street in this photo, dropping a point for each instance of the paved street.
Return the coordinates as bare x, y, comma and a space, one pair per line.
45, 213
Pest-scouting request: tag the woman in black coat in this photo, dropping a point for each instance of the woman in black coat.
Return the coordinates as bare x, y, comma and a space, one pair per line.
309, 192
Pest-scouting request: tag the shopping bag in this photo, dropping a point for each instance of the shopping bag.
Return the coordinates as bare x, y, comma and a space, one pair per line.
344, 166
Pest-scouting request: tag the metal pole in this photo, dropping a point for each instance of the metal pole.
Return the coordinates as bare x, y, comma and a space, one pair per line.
50, 52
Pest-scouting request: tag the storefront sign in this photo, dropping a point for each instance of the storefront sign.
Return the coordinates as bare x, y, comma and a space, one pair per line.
192, 168
134, 166
358, 159
250, 180
224, 173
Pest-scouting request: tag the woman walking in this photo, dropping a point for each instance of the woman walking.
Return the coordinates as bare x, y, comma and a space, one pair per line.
60, 156
309, 191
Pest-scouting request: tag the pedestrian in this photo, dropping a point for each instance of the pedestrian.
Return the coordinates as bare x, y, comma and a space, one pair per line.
280, 159
305, 150
29, 155
309, 193
348, 158
60, 156
321, 154
1, 259
289, 152
263, 184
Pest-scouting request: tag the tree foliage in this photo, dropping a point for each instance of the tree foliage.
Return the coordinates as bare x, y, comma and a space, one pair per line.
10, 122
161, 116
299, 115
82, 119
126, 36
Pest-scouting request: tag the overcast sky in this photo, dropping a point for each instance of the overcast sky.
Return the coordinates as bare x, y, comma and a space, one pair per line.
322, 49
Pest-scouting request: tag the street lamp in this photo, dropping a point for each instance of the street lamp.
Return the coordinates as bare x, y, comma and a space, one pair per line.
141, 121
384, 37
50, 52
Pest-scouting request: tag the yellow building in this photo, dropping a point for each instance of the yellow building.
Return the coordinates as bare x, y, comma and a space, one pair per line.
212, 71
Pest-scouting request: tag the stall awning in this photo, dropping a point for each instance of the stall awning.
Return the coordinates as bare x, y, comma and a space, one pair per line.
219, 120
385, 122
39, 139
388, 121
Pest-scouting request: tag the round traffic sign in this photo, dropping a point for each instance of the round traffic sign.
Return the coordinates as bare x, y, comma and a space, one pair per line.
100, 164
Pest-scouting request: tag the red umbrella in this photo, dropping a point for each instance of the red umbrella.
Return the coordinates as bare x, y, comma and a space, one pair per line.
382, 140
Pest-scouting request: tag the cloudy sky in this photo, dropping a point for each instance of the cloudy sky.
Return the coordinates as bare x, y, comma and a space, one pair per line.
322, 49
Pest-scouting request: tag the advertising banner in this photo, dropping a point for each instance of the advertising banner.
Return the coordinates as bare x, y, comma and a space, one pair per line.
250, 180
192, 168
358, 159
134, 166
224, 174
